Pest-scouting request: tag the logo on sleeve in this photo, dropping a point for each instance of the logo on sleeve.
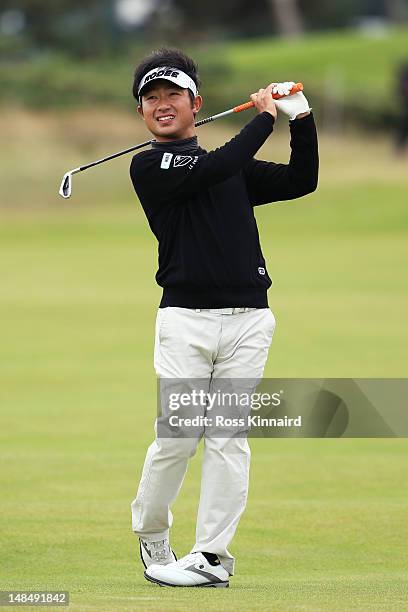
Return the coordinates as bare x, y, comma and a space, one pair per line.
261, 271
166, 161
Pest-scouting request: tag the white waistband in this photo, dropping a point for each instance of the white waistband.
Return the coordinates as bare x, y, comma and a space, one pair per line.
236, 310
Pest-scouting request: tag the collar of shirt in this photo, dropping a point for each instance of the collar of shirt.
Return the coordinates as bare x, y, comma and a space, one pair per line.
185, 145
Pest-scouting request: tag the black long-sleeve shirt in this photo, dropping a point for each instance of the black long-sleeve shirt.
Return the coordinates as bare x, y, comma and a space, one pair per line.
199, 206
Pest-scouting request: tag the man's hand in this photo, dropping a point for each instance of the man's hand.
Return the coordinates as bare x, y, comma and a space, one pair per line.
295, 106
264, 102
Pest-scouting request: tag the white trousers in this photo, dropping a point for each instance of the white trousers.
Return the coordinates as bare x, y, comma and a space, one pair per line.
205, 344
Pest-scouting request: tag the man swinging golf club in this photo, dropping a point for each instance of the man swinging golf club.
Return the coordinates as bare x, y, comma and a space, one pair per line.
213, 320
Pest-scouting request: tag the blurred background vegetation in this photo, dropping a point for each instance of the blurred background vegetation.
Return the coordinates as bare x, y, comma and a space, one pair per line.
69, 53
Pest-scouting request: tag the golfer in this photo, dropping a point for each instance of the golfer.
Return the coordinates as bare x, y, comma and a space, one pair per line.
213, 320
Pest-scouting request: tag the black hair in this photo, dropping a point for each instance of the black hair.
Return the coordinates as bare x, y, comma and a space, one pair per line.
166, 57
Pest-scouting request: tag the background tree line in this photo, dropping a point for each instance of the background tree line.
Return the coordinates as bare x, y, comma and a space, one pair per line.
92, 28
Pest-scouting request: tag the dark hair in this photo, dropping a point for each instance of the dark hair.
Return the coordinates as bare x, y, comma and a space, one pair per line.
165, 57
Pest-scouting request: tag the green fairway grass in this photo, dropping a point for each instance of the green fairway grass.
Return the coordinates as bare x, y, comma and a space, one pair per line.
325, 527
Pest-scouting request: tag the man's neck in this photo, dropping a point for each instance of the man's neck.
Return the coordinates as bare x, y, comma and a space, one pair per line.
184, 145
190, 133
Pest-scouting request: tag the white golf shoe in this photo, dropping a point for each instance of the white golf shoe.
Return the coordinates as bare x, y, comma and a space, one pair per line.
193, 570
158, 552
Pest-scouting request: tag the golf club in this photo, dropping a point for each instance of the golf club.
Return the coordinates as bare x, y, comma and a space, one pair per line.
66, 183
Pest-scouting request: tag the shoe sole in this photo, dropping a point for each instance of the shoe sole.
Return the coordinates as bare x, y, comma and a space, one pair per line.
141, 555
218, 585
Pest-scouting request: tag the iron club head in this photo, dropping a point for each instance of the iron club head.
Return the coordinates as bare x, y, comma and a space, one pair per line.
66, 185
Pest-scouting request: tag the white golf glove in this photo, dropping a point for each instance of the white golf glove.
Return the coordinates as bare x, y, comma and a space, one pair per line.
291, 105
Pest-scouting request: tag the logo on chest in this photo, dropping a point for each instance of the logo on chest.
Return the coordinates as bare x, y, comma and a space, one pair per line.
166, 161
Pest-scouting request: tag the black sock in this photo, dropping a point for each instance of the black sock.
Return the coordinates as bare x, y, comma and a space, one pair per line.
211, 558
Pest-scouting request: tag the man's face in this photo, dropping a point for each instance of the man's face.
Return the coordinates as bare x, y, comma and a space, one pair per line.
168, 111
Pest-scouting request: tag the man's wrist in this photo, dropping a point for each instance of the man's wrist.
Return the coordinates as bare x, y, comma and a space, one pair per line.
270, 113
301, 115
266, 113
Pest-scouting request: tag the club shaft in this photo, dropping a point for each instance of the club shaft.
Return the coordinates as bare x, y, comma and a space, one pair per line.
214, 117
104, 159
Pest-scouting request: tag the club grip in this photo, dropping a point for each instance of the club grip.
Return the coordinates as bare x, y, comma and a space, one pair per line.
297, 87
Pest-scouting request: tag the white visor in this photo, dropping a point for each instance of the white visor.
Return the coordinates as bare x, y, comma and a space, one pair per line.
174, 75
